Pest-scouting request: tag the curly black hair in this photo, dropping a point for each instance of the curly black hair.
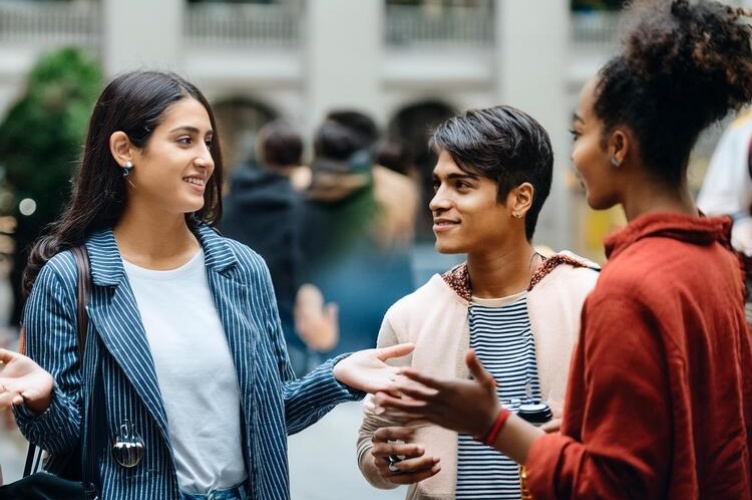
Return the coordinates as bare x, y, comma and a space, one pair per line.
684, 66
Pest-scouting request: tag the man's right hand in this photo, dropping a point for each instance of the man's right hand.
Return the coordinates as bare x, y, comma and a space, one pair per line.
390, 443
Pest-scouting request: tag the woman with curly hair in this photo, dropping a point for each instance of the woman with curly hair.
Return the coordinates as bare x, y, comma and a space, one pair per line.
659, 403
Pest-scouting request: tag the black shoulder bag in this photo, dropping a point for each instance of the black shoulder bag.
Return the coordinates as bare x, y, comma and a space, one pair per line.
45, 486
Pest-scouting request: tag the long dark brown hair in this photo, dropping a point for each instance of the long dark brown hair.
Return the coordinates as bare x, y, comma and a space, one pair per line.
133, 103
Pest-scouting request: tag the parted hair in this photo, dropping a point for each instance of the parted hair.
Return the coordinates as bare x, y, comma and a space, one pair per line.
684, 65
505, 145
134, 103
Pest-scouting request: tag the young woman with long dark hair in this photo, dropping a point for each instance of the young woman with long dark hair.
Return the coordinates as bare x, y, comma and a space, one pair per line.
183, 329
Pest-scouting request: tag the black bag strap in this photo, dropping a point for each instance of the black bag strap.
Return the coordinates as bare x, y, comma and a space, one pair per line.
83, 291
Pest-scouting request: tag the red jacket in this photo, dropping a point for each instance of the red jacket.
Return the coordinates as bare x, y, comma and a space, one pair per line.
659, 403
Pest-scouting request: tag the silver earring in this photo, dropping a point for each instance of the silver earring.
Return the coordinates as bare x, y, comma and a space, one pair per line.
127, 168
616, 163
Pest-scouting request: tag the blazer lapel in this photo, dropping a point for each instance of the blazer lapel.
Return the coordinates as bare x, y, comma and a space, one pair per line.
114, 313
231, 298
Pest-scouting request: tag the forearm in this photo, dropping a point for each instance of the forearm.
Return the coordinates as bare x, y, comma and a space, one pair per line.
57, 429
516, 438
313, 396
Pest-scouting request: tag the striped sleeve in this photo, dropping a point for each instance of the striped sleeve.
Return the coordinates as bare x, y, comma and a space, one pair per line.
51, 341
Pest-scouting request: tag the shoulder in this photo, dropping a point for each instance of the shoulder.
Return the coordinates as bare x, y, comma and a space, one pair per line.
232, 258
434, 294
59, 269
566, 270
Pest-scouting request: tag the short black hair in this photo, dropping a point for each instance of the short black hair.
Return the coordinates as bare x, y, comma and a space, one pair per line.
362, 125
684, 66
281, 144
504, 144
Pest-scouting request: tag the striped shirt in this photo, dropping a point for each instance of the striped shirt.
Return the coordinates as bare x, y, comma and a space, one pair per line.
501, 335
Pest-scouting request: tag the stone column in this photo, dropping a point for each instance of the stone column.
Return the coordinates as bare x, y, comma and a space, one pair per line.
142, 34
532, 38
342, 62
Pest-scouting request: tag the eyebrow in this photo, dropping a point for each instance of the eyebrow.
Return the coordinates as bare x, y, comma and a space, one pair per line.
191, 129
455, 176
577, 118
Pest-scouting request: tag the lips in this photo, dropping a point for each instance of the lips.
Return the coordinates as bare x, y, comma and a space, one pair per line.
444, 224
195, 181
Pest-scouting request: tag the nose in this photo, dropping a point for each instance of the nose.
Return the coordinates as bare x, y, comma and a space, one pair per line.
204, 160
440, 201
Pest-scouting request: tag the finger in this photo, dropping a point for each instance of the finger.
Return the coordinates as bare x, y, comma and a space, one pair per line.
477, 369
425, 380
387, 401
410, 478
395, 351
417, 391
7, 356
551, 426
383, 450
417, 464
384, 434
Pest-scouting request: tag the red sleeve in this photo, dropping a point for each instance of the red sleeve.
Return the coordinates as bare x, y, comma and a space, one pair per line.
616, 439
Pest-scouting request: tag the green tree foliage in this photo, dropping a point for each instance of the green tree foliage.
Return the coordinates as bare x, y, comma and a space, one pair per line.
41, 139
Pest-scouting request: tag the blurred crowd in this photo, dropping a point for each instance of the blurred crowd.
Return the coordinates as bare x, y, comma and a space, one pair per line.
330, 228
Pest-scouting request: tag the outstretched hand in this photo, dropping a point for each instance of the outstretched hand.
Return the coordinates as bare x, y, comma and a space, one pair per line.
367, 371
24, 381
468, 406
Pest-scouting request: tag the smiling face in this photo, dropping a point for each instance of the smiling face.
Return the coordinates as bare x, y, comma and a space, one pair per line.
466, 213
590, 155
172, 171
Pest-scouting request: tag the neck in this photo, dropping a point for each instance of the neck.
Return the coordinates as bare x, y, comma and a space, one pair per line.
651, 197
503, 274
154, 242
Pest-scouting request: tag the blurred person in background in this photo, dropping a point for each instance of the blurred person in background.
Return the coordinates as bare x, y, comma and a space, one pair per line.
347, 258
262, 210
659, 403
519, 309
727, 189
396, 192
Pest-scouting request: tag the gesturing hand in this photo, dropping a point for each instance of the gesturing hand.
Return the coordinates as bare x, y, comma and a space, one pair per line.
366, 370
414, 466
22, 380
468, 406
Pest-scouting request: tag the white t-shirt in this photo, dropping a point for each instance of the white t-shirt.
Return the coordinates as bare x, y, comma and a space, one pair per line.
195, 371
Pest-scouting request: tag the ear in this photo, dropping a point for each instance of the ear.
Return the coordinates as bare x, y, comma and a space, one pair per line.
121, 148
618, 145
520, 199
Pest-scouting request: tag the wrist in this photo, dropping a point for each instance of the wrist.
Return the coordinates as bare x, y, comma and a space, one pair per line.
489, 438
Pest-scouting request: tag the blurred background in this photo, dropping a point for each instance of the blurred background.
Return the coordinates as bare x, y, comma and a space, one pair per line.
409, 64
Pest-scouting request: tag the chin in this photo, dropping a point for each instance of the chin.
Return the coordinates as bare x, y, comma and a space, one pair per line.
447, 248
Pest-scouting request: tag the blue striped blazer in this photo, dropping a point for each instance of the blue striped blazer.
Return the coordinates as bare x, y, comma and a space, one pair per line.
273, 403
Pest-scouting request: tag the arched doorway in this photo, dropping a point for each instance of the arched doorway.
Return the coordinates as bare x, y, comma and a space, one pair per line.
238, 119
413, 125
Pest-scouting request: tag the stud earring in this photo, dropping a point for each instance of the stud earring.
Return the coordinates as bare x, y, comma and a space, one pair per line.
616, 163
517, 215
127, 168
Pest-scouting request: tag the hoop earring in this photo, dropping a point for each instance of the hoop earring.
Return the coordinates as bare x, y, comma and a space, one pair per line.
127, 168
616, 163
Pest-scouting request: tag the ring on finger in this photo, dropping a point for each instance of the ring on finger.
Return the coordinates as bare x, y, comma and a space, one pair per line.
393, 468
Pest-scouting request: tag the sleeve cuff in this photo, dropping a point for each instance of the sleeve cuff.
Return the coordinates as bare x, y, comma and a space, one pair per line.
354, 394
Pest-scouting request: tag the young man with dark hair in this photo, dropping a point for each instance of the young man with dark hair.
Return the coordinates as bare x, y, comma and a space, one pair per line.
518, 309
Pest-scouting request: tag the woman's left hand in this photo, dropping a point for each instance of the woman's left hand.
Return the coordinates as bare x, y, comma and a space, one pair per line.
24, 381
367, 371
